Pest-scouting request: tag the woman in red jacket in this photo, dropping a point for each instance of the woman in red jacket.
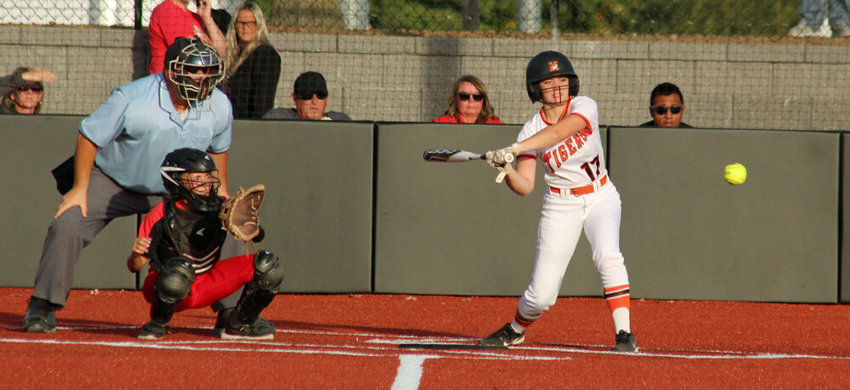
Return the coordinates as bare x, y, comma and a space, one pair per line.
468, 103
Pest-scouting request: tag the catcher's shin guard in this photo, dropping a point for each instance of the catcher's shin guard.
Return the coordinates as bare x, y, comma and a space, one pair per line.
172, 286
268, 271
259, 292
161, 314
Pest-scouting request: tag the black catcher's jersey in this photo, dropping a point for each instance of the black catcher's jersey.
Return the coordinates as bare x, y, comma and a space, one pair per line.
178, 232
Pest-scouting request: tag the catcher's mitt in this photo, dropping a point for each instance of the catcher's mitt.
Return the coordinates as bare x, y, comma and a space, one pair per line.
239, 214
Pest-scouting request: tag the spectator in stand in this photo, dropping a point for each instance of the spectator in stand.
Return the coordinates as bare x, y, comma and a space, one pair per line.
823, 19
22, 92
667, 107
468, 103
310, 97
253, 65
172, 19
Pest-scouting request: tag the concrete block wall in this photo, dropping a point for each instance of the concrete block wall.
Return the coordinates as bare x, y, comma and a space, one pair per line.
794, 86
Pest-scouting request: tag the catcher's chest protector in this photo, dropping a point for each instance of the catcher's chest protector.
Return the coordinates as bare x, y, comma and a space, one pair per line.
190, 235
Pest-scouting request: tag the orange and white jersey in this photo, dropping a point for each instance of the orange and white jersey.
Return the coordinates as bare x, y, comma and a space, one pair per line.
577, 160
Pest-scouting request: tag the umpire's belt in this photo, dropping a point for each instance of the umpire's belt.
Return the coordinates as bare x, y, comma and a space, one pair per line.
584, 190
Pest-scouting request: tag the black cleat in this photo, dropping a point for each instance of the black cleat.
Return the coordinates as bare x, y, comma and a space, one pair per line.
503, 337
153, 331
259, 330
40, 317
221, 321
625, 342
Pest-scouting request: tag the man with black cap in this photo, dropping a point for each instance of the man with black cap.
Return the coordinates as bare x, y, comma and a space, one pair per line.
119, 150
310, 97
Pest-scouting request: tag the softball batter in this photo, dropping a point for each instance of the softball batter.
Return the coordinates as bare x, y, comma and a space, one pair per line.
564, 136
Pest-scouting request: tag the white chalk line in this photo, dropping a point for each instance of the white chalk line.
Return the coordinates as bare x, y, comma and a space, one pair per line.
409, 372
372, 346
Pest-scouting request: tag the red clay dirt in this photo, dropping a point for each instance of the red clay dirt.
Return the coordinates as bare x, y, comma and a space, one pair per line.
365, 341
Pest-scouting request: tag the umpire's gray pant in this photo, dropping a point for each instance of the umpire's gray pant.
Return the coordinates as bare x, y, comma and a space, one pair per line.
70, 233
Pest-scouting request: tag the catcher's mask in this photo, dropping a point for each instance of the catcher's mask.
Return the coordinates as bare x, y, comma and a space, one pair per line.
195, 68
188, 160
545, 65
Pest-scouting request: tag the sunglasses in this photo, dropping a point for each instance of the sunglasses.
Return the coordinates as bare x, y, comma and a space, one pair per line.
661, 110
309, 95
463, 96
34, 88
190, 69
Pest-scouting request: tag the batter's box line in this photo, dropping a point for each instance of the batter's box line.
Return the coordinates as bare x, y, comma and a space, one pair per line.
731, 355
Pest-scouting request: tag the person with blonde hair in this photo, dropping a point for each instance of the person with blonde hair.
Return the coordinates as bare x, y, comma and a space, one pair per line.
468, 103
22, 92
253, 64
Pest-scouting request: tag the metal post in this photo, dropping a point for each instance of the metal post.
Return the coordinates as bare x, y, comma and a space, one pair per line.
553, 20
355, 14
138, 15
529, 16
471, 15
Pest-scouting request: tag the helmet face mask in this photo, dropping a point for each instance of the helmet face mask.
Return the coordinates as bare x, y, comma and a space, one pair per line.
555, 90
180, 177
195, 69
546, 65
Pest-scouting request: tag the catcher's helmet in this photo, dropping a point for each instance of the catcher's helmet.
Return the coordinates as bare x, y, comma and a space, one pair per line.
194, 67
191, 160
545, 65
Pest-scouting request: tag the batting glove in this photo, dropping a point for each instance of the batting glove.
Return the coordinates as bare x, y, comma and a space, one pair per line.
506, 154
503, 171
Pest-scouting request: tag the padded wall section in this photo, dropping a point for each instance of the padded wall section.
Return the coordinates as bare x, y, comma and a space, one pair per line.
447, 228
687, 234
31, 146
844, 286
318, 209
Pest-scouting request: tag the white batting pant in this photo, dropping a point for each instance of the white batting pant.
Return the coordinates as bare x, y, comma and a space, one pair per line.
561, 223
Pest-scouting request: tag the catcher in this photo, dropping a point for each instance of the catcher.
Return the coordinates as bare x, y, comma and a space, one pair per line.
182, 238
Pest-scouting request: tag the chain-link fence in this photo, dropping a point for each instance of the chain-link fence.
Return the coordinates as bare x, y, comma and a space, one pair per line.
706, 17
732, 59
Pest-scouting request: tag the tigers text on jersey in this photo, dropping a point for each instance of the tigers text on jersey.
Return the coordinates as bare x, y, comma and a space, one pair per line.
577, 160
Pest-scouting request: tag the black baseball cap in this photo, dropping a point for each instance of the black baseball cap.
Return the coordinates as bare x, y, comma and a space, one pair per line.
309, 83
175, 48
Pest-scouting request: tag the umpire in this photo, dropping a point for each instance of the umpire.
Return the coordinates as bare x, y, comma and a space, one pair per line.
119, 150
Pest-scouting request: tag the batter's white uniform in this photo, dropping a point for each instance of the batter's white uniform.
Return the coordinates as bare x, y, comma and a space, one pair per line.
579, 195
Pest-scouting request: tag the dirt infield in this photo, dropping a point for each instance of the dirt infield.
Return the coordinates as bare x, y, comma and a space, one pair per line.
364, 341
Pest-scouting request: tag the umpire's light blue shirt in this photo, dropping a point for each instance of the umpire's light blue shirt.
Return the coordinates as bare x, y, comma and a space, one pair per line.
137, 126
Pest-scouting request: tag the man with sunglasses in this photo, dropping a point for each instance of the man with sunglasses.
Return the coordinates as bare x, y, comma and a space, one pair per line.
22, 92
115, 169
667, 107
310, 96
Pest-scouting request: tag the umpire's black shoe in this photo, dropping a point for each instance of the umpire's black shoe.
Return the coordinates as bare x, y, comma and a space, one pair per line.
503, 337
625, 342
41, 316
259, 330
153, 331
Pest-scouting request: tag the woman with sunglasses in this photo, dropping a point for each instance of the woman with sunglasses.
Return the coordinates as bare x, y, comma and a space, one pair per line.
468, 103
23, 91
253, 64
667, 107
